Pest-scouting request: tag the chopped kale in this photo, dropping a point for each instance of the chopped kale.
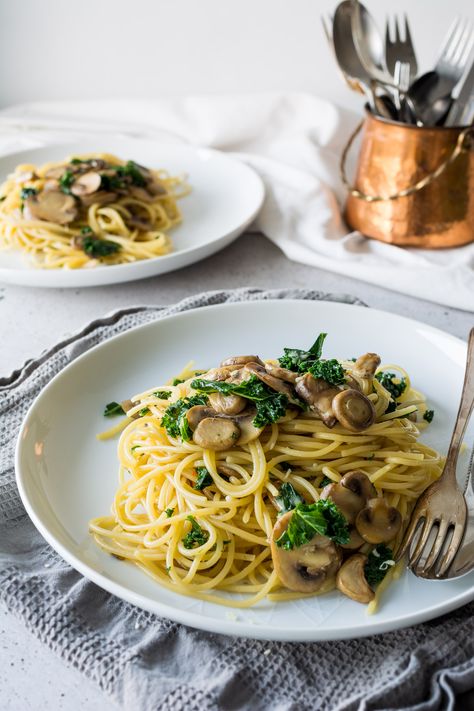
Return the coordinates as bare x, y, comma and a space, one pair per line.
325, 481
28, 192
289, 498
329, 370
131, 170
112, 409
169, 512
174, 418
391, 407
95, 247
300, 361
65, 182
196, 536
163, 394
379, 560
270, 405
177, 381
203, 478
388, 381
428, 415
270, 410
144, 411
86, 230
308, 520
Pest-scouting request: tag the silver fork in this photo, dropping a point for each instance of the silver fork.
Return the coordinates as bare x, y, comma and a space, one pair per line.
454, 52
398, 49
442, 506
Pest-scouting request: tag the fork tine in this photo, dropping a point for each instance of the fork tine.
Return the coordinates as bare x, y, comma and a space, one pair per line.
408, 39
437, 545
458, 48
407, 538
388, 41
451, 33
452, 550
398, 37
415, 556
467, 51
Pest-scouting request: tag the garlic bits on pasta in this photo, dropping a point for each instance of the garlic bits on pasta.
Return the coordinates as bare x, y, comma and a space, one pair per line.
276, 479
89, 210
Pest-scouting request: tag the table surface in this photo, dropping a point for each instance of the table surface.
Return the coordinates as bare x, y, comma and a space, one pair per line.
34, 319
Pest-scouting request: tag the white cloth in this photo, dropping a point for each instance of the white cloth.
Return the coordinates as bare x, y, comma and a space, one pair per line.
294, 141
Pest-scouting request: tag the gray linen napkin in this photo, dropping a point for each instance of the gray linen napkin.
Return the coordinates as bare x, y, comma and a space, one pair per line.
146, 662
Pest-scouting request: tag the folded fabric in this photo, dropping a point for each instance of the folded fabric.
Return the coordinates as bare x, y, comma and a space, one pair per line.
294, 141
149, 663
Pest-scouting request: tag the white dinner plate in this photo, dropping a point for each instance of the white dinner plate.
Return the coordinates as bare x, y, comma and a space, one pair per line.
66, 477
226, 196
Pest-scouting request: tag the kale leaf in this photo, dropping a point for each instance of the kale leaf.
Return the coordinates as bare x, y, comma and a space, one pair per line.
27, 192
169, 512
270, 410
388, 382
162, 394
65, 182
329, 370
95, 247
174, 418
300, 361
379, 560
325, 481
428, 415
196, 536
308, 520
177, 381
203, 478
112, 409
270, 405
289, 498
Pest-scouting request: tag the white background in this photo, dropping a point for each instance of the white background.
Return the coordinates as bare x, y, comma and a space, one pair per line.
60, 49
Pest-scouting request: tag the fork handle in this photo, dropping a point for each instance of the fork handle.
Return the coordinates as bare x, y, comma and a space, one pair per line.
465, 409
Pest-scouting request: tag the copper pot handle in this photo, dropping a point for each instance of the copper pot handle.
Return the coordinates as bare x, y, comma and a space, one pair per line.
406, 191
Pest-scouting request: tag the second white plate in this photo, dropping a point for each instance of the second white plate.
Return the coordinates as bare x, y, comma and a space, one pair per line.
226, 197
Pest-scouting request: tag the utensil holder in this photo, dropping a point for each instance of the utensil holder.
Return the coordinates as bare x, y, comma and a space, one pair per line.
414, 185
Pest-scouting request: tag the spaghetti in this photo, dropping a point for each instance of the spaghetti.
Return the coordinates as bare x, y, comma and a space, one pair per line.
201, 521
88, 210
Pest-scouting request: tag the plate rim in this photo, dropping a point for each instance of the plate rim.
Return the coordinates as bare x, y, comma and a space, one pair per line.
119, 273
229, 626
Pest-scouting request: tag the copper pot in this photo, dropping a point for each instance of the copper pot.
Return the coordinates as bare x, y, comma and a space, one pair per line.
414, 185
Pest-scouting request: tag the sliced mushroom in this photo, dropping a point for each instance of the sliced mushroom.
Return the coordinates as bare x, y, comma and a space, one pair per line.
197, 413
248, 431
358, 482
101, 197
58, 172
305, 568
351, 579
354, 410
241, 360
355, 540
86, 184
216, 433
227, 404
282, 373
51, 206
222, 373
366, 365
378, 522
156, 188
346, 500
276, 384
319, 396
